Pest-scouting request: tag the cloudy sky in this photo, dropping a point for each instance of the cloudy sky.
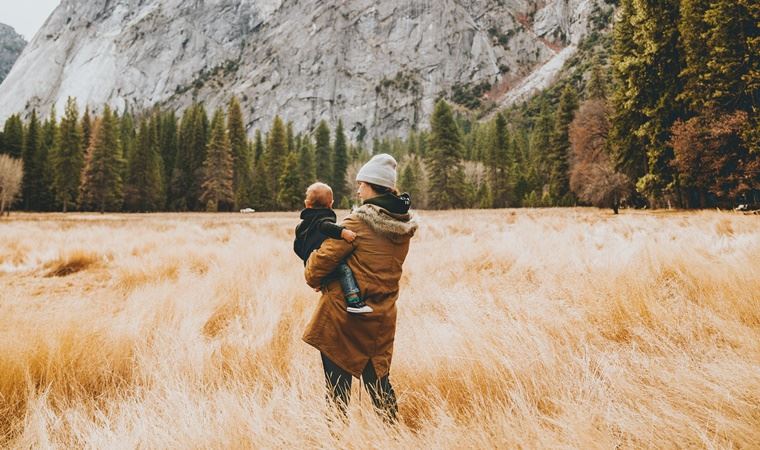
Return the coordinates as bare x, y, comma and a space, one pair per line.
26, 16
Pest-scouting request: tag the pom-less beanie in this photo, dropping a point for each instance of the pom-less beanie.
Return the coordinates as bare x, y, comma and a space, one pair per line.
380, 170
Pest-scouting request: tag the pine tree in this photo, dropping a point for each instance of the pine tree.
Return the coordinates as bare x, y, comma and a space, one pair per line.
559, 147
340, 165
520, 159
258, 147
657, 33
180, 185
410, 180
262, 198
86, 128
306, 166
447, 185
101, 187
290, 195
168, 148
144, 190
628, 96
242, 169
291, 138
596, 89
31, 186
691, 29
297, 142
499, 163
49, 137
68, 157
422, 144
199, 142
323, 153
483, 197
13, 137
218, 171
541, 134
155, 125
127, 136
277, 150
412, 148
731, 28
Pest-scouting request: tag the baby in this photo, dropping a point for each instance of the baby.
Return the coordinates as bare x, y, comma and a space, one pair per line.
317, 224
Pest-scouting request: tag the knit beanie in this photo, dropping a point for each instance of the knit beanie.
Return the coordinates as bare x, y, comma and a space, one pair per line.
380, 170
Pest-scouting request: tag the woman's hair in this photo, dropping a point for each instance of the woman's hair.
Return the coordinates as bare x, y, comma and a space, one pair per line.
382, 189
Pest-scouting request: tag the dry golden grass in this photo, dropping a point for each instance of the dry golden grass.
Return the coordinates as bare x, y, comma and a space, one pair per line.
528, 328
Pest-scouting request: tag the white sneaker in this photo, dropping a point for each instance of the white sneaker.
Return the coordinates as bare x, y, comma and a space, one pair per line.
361, 310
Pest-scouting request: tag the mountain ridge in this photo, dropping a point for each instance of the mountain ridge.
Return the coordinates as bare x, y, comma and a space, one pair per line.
378, 66
11, 46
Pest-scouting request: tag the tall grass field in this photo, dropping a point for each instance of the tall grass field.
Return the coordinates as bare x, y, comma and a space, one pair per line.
557, 328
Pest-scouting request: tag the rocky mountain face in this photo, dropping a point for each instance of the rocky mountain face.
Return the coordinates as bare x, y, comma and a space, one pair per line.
379, 65
11, 45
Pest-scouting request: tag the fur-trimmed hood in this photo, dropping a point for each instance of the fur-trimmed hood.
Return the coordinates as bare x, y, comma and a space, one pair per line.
396, 227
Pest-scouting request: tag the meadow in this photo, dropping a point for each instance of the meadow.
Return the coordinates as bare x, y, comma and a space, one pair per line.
534, 328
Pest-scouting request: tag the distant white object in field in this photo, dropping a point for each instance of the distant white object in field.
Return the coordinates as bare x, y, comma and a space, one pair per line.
247, 210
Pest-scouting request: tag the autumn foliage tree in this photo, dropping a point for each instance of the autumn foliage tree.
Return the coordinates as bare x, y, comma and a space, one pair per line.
593, 178
714, 163
11, 174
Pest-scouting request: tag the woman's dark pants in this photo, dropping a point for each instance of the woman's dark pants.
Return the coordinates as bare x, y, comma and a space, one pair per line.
381, 391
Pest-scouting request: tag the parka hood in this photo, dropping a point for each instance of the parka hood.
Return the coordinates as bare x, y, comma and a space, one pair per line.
396, 227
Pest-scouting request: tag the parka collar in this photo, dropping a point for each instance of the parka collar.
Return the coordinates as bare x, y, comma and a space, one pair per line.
396, 227
392, 203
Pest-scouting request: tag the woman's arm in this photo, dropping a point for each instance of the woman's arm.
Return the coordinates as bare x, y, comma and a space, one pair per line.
326, 258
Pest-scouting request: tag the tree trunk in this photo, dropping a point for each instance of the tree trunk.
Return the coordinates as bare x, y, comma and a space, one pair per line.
64, 205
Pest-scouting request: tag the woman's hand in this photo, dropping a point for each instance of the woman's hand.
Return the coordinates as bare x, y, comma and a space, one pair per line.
348, 235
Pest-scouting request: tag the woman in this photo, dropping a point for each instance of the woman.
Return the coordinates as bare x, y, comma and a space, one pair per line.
362, 345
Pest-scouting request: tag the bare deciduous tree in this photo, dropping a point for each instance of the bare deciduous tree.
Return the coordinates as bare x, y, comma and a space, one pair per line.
593, 177
11, 174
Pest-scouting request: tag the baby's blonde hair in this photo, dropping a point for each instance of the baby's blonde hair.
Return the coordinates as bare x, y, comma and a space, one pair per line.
319, 195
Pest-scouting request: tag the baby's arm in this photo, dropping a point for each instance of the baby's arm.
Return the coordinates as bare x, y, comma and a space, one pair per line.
336, 231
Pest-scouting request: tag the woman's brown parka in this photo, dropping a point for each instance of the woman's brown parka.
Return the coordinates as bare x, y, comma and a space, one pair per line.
375, 257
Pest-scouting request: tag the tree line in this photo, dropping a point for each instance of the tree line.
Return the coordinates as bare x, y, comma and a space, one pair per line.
156, 161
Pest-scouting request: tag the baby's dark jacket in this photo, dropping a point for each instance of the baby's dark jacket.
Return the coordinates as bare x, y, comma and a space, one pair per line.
317, 224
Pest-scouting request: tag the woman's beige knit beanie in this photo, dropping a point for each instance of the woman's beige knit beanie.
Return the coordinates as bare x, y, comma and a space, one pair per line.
380, 170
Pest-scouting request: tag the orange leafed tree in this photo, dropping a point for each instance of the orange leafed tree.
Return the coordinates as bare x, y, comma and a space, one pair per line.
713, 159
593, 177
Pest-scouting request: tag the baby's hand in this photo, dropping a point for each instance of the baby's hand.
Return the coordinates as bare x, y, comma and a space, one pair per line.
348, 235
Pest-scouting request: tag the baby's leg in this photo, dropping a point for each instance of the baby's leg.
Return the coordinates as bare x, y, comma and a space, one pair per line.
348, 283
354, 303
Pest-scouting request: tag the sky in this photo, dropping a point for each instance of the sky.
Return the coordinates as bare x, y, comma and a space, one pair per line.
26, 16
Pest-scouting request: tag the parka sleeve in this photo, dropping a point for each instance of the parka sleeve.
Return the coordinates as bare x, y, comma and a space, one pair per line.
327, 257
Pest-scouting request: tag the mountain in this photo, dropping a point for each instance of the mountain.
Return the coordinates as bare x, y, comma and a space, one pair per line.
11, 45
377, 65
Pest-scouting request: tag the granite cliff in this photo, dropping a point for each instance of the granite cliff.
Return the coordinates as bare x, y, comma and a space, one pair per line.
377, 65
